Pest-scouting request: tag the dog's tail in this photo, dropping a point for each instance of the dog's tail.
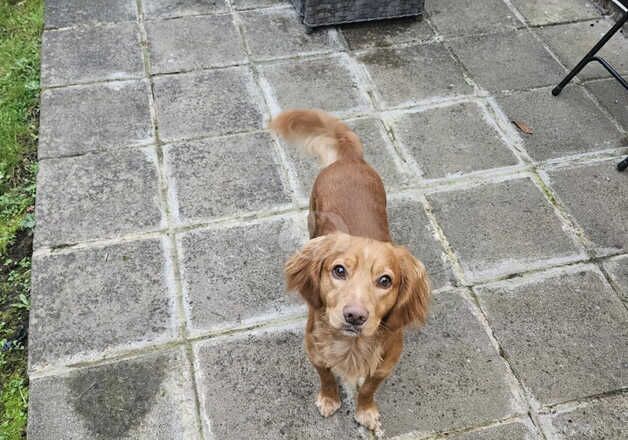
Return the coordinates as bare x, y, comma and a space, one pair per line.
319, 134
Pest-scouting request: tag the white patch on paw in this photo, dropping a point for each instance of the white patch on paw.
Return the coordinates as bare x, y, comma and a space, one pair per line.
370, 418
326, 405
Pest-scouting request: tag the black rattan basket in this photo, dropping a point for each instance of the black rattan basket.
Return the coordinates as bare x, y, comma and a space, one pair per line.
316, 13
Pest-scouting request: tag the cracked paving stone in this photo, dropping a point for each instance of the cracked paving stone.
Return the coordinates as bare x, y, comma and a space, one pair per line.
562, 332
90, 301
150, 397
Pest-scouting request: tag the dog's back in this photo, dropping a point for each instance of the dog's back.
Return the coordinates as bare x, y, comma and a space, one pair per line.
348, 194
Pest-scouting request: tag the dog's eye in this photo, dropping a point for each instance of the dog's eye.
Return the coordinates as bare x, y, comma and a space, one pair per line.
384, 282
339, 272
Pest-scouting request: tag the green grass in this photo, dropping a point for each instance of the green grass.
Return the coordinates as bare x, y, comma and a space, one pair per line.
20, 36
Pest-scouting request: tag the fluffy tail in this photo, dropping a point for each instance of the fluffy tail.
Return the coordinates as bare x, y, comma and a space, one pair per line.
319, 134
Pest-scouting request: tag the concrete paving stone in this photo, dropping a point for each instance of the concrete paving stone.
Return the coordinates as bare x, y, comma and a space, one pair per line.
261, 28
62, 13
89, 301
240, 279
150, 397
543, 12
456, 17
570, 42
502, 228
263, 386
189, 43
386, 32
95, 117
507, 61
208, 103
617, 268
569, 124
239, 5
563, 332
612, 97
97, 196
596, 196
452, 140
377, 152
177, 8
98, 53
404, 76
225, 176
410, 227
598, 420
449, 376
326, 83
510, 431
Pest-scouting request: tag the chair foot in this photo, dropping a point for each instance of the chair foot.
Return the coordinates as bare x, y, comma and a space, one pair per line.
621, 166
556, 90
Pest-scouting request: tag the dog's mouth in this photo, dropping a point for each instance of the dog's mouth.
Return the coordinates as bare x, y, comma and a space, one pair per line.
350, 330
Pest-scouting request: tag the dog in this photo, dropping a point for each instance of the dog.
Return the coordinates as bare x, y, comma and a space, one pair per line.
360, 288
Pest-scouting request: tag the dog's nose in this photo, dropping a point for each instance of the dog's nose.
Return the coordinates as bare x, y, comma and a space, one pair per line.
355, 315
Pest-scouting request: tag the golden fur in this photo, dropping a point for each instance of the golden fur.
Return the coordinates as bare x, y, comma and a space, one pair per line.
361, 289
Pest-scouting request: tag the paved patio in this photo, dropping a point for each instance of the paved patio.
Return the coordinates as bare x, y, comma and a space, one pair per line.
165, 211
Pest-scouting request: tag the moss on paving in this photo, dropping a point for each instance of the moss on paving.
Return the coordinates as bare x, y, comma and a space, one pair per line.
20, 37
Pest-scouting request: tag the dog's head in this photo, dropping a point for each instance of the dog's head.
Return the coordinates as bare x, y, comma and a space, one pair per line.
360, 284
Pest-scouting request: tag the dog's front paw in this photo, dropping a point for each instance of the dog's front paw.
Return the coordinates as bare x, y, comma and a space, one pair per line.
369, 417
327, 405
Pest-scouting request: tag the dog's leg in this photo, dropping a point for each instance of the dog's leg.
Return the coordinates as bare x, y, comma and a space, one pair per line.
328, 399
367, 413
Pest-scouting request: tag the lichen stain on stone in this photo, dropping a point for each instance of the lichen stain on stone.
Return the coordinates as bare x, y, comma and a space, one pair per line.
114, 398
385, 58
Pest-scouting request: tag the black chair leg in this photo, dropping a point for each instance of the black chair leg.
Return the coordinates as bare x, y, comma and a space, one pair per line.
591, 57
621, 166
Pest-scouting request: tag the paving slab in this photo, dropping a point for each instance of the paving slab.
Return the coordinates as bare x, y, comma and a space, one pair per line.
378, 152
570, 42
80, 119
598, 420
62, 13
327, 83
597, 198
465, 17
386, 32
254, 4
617, 268
97, 196
89, 301
241, 279
449, 376
214, 177
543, 12
150, 397
263, 386
208, 103
184, 43
503, 228
569, 124
407, 75
610, 94
98, 53
410, 227
453, 140
177, 8
561, 332
511, 431
261, 27
507, 61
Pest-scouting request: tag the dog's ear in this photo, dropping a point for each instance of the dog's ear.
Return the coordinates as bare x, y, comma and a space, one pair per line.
414, 293
303, 269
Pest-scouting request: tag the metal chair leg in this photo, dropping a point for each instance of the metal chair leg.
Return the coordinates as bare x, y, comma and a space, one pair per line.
591, 57
621, 166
